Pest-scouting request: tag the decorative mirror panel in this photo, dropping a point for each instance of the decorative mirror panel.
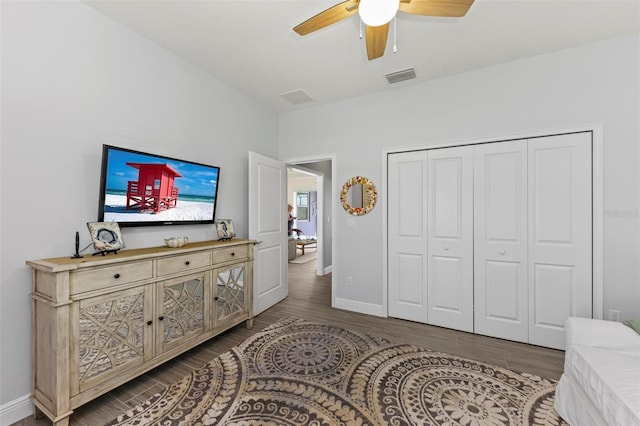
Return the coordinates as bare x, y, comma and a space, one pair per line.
230, 291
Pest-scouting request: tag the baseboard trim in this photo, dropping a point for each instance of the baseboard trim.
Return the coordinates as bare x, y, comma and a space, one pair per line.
15, 410
361, 307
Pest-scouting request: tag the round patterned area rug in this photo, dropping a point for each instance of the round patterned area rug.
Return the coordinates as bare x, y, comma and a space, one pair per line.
297, 372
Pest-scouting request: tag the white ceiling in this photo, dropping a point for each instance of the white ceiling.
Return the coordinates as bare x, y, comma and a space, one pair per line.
250, 45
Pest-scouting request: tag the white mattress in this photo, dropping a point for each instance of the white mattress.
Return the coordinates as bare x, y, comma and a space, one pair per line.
609, 379
575, 406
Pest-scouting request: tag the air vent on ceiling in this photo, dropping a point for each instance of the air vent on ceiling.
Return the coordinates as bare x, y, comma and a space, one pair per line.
398, 76
297, 97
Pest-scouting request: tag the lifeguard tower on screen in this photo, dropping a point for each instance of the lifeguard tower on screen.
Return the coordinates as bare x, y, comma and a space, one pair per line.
154, 190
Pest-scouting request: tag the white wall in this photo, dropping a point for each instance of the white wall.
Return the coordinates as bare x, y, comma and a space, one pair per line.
72, 79
597, 83
299, 184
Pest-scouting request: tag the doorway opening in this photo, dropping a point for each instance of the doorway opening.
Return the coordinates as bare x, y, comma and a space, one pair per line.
306, 184
322, 168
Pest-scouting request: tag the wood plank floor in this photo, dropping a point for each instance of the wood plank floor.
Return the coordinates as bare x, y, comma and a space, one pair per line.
310, 298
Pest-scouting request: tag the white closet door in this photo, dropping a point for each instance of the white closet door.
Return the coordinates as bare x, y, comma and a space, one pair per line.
500, 240
560, 276
450, 237
407, 236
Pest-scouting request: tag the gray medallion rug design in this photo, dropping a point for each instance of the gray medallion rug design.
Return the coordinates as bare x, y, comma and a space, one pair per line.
297, 372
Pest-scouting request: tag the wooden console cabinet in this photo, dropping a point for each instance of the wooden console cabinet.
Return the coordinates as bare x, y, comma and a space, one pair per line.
100, 321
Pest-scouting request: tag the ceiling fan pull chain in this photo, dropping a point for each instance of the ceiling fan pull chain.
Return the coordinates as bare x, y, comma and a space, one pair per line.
395, 25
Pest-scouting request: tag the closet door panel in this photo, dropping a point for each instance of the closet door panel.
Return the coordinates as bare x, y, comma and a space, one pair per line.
450, 237
500, 240
407, 236
552, 299
502, 297
560, 250
446, 274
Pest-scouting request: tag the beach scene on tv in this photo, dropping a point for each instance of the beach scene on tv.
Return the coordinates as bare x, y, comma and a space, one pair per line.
143, 188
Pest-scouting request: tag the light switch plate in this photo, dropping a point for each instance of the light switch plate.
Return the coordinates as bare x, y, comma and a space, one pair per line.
614, 315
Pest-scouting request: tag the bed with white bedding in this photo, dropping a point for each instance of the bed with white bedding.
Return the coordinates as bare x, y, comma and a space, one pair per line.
601, 380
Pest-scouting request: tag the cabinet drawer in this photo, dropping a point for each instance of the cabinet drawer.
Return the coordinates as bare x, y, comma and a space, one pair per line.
96, 278
186, 262
230, 253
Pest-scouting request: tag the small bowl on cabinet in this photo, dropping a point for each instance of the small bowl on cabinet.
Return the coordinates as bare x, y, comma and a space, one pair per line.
176, 241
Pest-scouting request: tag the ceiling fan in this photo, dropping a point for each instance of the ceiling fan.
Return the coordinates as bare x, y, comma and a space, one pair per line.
376, 15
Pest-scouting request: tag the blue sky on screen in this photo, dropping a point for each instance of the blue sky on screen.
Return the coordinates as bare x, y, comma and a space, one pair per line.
196, 179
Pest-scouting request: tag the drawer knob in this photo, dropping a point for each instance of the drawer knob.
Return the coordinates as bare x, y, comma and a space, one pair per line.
187, 263
233, 253
160, 318
116, 276
149, 322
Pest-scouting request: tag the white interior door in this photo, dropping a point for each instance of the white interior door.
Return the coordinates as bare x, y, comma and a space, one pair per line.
450, 237
267, 224
560, 240
508, 229
407, 236
500, 240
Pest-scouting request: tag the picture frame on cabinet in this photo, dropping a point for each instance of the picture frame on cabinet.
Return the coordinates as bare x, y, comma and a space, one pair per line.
106, 237
225, 229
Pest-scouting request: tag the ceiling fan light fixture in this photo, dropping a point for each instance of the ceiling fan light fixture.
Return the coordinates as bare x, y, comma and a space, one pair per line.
377, 12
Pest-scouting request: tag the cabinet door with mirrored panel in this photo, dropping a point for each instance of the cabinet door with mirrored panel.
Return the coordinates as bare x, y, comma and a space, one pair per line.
111, 335
183, 304
230, 292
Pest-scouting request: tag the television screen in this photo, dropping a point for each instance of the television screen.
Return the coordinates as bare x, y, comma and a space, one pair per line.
138, 188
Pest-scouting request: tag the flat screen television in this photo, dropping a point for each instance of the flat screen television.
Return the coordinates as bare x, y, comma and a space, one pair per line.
141, 189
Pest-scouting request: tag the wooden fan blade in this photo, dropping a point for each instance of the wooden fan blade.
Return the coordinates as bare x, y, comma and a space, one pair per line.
376, 38
330, 16
447, 8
